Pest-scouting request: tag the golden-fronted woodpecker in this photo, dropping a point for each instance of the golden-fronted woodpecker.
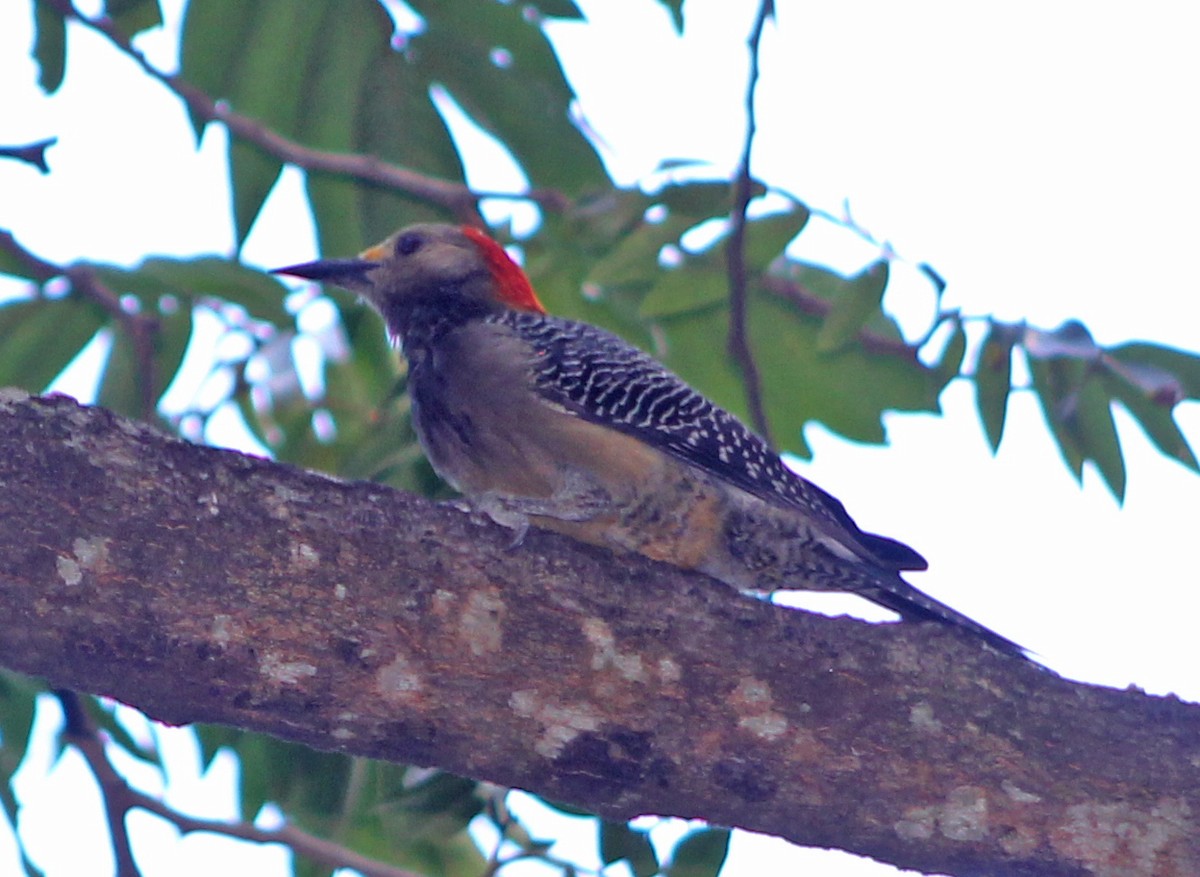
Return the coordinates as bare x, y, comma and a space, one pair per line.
542, 420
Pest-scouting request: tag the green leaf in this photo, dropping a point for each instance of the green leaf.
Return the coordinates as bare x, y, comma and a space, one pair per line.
211, 739
1057, 382
334, 95
1098, 435
130, 281
1076, 383
701, 199
703, 280
767, 236
557, 8
304, 867
49, 45
375, 368
694, 286
993, 380
135, 376
252, 175
700, 853
131, 17
308, 785
375, 439
950, 365
560, 258
412, 818
123, 384
1158, 385
322, 73
11, 265
812, 285
618, 841
18, 699
815, 280
440, 805
454, 856
261, 52
675, 7
1077, 407
857, 301
42, 336
635, 258
255, 422
523, 100
1155, 420
1164, 373
170, 344
262, 295
390, 116
189, 280
270, 92
848, 391
214, 33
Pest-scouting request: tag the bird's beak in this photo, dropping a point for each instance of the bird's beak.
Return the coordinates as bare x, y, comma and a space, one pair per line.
349, 274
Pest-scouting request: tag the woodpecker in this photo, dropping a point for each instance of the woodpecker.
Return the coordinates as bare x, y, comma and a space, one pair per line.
562, 425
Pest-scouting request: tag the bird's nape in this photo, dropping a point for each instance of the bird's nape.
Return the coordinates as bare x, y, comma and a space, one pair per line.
512, 283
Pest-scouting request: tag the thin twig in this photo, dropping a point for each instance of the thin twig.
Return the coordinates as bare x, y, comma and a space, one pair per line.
30, 153
735, 247
119, 798
79, 731
324, 852
456, 197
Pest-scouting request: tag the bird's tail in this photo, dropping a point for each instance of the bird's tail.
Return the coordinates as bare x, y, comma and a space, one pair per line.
892, 592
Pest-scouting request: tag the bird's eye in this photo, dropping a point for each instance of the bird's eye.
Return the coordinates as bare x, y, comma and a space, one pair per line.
408, 243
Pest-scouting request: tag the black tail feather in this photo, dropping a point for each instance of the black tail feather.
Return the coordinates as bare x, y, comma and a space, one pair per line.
914, 605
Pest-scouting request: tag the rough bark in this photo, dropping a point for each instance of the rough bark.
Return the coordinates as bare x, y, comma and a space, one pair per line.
203, 585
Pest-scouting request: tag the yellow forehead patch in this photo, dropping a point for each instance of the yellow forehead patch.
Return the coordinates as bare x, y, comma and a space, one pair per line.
375, 253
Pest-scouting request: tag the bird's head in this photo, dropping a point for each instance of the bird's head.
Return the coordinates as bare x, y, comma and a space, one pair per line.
430, 264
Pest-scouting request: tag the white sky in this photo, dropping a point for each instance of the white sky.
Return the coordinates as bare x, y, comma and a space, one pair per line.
1040, 156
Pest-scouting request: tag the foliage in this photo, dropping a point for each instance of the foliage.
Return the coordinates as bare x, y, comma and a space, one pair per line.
333, 76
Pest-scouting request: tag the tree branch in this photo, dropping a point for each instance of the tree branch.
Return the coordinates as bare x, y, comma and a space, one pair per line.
455, 197
199, 584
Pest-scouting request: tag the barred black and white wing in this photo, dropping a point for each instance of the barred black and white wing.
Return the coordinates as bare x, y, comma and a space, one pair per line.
599, 377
